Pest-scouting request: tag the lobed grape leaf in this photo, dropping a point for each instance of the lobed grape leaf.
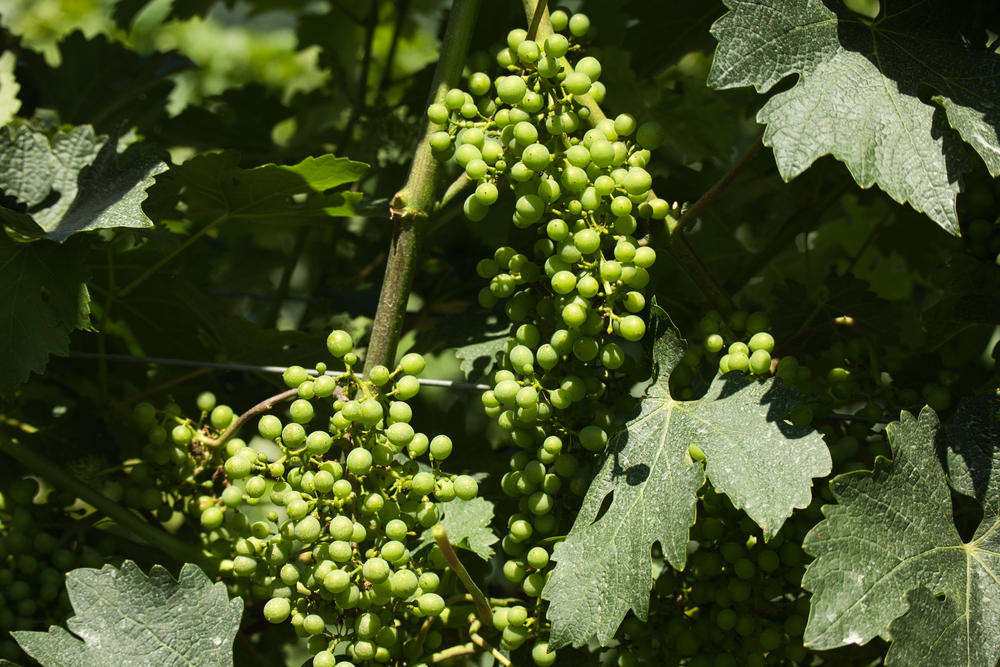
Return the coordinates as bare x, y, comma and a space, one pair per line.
124, 617
646, 489
44, 296
77, 183
890, 560
467, 523
861, 91
213, 187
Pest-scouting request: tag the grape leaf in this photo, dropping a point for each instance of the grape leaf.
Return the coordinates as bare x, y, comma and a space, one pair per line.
860, 92
213, 187
467, 523
44, 296
77, 183
124, 617
645, 491
973, 455
890, 545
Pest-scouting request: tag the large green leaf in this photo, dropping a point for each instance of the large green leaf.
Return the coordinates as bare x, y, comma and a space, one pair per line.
645, 491
861, 91
77, 183
43, 296
124, 617
214, 187
890, 561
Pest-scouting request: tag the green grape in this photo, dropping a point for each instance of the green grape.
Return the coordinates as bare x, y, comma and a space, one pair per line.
579, 25
431, 604
761, 341
510, 89
238, 467
759, 362
559, 20
577, 83
221, 416
403, 583
276, 610
632, 327
269, 427
339, 343
650, 135
232, 496
212, 517
440, 447
359, 461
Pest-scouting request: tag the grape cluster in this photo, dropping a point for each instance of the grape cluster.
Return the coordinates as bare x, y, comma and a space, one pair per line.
322, 516
574, 291
737, 602
39, 543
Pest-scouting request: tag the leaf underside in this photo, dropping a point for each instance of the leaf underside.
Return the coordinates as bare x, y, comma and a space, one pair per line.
763, 464
897, 100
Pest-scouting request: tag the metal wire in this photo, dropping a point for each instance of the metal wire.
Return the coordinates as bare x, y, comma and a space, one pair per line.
163, 361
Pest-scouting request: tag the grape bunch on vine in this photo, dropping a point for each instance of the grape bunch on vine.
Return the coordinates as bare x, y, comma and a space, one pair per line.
650, 335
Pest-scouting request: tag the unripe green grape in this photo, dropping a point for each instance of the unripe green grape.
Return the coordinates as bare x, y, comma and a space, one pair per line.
511, 89
437, 113
644, 257
144, 415
563, 282
466, 487
407, 387
559, 20
714, 343
244, 566
308, 529
293, 435
632, 327
514, 572
556, 45
276, 610
637, 181
528, 52
221, 417
212, 517
577, 83
422, 483
359, 461
376, 570
587, 241
431, 604
440, 447
579, 24
589, 66
339, 343
232, 496
486, 194
403, 583
515, 37
238, 467
533, 584
650, 135
761, 341
760, 362
542, 655
181, 434
412, 363
440, 142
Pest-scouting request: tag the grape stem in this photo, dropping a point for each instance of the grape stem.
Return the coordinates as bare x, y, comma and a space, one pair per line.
485, 645
707, 199
263, 406
482, 604
454, 652
30, 459
411, 205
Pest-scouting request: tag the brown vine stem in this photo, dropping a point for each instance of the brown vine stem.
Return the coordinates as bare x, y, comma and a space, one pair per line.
706, 200
482, 604
133, 523
677, 245
411, 205
263, 406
